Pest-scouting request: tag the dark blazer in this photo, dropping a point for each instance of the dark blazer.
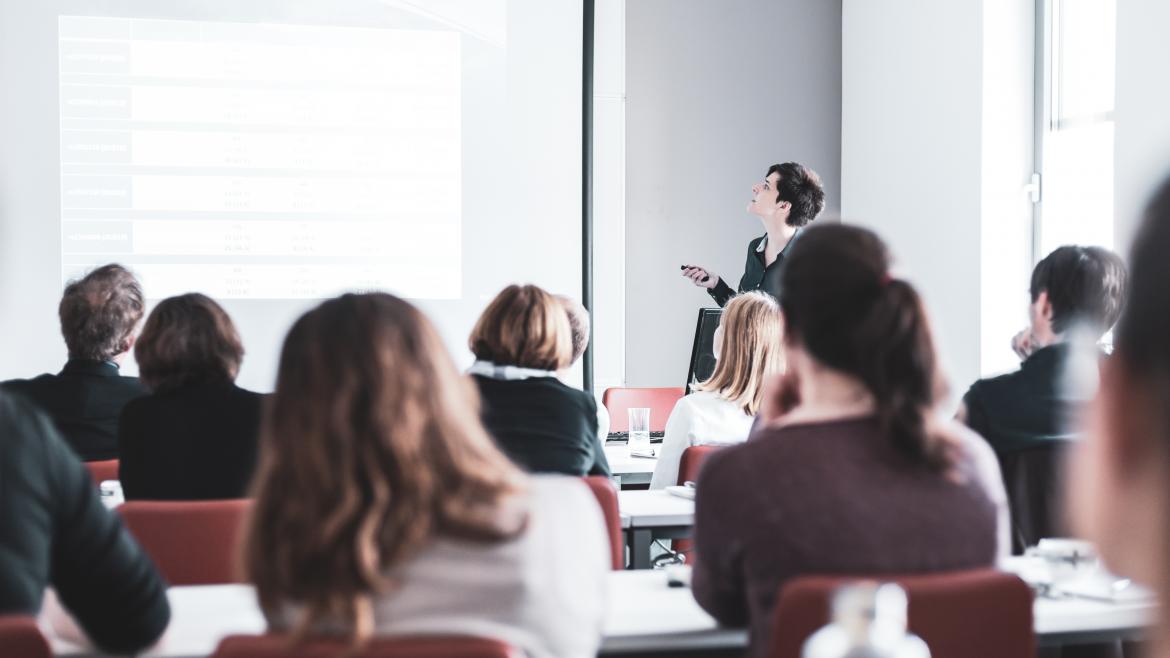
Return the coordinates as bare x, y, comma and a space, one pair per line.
543, 425
55, 531
1026, 408
84, 400
197, 442
756, 275
1026, 416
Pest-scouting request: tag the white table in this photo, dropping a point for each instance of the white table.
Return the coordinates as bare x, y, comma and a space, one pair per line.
643, 614
650, 515
630, 470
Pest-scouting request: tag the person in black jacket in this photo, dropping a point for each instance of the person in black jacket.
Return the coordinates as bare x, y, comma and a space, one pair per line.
1073, 287
520, 342
1028, 416
789, 197
99, 314
195, 436
54, 531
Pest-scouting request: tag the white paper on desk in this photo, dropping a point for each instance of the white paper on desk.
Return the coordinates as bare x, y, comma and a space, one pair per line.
1105, 587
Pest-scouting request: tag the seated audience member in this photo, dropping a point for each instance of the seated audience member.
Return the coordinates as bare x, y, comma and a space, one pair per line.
520, 343
1026, 415
194, 437
747, 347
55, 532
579, 325
851, 469
384, 508
1121, 470
98, 316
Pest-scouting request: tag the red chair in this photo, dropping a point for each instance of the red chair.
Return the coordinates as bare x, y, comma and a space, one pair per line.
279, 646
692, 460
20, 638
607, 497
191, 542
618, 402
960, 614
688, 470
103, 470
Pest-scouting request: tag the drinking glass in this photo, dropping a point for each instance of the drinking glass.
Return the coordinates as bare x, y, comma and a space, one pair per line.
639, 428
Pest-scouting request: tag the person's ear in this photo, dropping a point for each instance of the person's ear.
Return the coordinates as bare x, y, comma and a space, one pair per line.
1044, 304
128, 344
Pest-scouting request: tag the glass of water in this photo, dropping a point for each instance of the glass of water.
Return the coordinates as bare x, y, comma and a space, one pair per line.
639, 428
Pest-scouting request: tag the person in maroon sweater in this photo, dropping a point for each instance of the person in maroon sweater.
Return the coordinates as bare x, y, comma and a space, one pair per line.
851, 469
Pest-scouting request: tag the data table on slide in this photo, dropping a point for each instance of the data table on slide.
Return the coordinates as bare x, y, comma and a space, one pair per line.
261, 160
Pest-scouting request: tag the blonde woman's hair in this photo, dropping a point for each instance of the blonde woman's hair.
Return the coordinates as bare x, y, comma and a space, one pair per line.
751, 350
371, 447
524, 326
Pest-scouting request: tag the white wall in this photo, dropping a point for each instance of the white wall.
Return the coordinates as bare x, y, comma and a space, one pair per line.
716, 92
936, 147
911, 125
609, 194
1142, 146
1008, 129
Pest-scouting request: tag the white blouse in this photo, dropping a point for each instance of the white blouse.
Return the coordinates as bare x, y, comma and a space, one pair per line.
701, 418
543, 592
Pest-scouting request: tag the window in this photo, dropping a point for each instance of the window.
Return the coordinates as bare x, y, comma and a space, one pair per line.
1075, 75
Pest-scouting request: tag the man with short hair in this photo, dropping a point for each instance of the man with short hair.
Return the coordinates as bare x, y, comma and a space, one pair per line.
1073, 288
99, 315
1026, 415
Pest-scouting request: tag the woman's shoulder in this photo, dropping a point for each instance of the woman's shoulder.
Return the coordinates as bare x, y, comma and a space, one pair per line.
557, 499
703, 400
559, 490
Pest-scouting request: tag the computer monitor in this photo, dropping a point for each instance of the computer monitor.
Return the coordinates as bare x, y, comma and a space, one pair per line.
702, 350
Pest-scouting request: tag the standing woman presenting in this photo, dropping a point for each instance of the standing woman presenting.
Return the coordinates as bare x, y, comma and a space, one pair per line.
789, 197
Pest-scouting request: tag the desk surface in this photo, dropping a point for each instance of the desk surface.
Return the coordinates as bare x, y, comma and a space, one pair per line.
654, 509
643, 613
621, 463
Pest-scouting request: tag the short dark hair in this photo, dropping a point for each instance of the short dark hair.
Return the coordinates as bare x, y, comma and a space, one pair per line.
186, 340
99, 313
801, 187
1084, 285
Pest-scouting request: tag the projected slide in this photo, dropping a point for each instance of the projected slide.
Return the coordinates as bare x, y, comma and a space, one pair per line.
256, 161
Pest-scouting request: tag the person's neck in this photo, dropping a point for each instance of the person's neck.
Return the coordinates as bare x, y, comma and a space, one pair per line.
779, 233
1042, 338
827, 394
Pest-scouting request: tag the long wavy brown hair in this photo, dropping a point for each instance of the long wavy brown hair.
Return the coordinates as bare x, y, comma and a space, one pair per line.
370, 448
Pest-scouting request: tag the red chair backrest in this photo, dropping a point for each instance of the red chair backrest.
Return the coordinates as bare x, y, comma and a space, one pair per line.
618, 402
688, 469
191, 542
278, 646
692, 460
20, 638
959, 614
607, 498
103, 470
